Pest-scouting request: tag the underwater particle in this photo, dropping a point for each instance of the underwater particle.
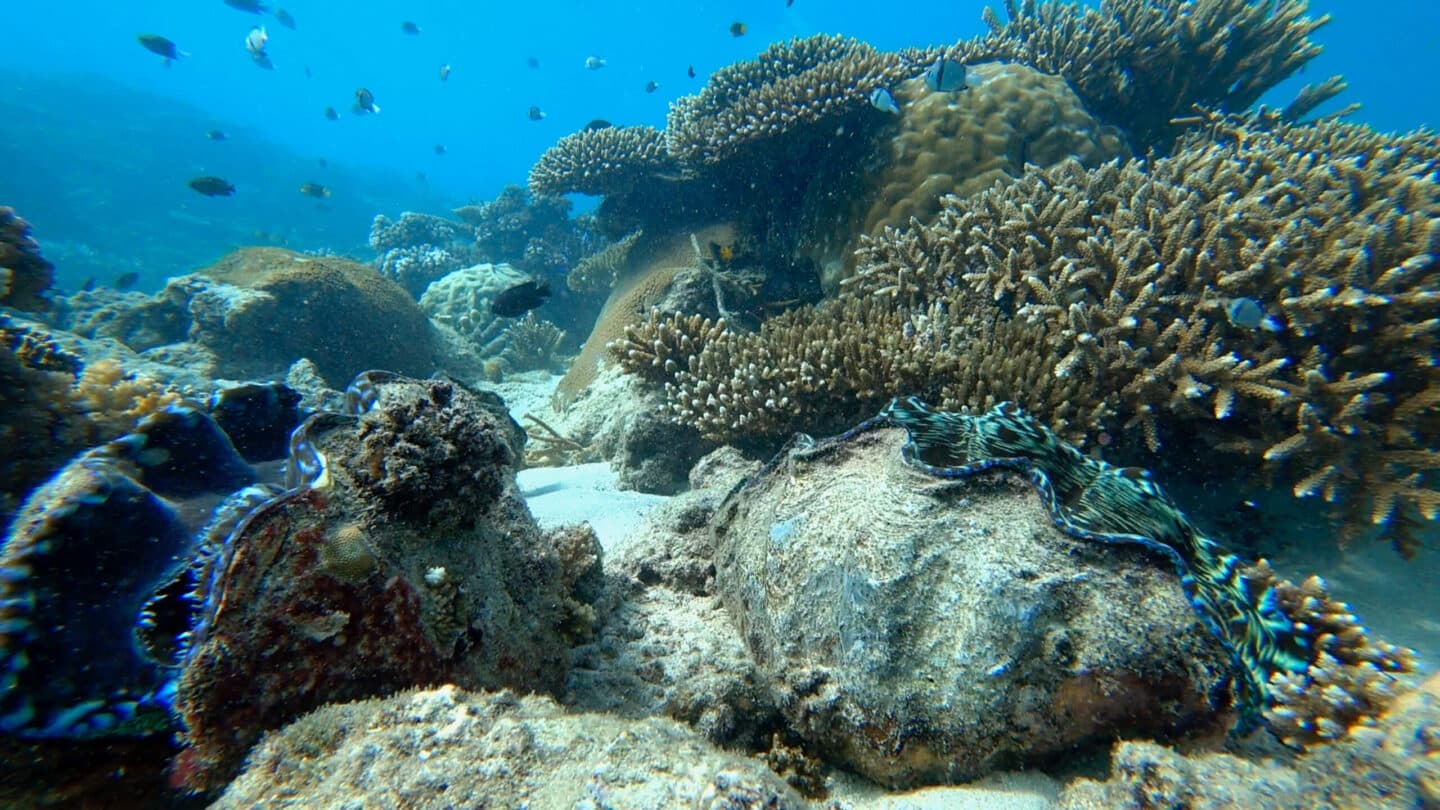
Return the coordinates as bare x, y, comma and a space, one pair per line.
521, 298
155, 43
365, 102
251, 6
410, 28
217, 135
346, 554
536, 114
652, 86
738, 29
444, 72
881, 99
945, 76
331, 115
315, 190
284, 18
212, 186
594, 63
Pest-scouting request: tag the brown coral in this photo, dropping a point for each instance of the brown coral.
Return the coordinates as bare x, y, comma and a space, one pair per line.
25, 275
602, 161
787, 88
1140, 63
599, 271
960, 143
1352, 680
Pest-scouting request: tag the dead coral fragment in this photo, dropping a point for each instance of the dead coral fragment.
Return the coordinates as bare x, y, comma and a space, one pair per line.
602, 161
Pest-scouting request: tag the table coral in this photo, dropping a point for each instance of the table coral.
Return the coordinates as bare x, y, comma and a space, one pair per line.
1138, 64
602, 161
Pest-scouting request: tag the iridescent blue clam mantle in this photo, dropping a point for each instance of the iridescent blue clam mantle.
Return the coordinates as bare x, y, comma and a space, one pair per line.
99, 585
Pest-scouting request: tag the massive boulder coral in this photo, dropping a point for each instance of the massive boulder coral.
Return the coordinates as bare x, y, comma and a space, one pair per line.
25, 275
1140, 64
921, 632
261, 309
1010, 116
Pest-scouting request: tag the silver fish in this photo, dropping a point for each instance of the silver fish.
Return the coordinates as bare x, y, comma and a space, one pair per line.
1245, 313
881, 99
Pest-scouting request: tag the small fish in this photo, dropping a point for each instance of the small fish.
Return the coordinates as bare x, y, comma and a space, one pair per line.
212, 186
690, 72
651, 87
881, 99
945, 76
252, 6
410, 28
1245, 313
594, 63
155, 43
365, 102
125, 281
89, 285
283, 17
324, 164
444, 72
532, 63
598, 123
255, 45
738, 29
536, 114
330, 114
440, 149
521, 298
789, 3
315, 190
420, 177
307, 71
217, 135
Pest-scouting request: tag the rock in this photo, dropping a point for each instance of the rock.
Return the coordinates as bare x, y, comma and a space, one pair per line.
449, 748
261, 309
921, 630
25, 275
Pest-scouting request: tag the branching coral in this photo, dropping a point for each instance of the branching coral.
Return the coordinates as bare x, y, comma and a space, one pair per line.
960, 143
1353, 679
787, 87
602, 161
1140, 63
599, 272
1110, 297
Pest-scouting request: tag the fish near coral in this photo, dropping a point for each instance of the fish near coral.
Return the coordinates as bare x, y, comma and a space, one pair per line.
212, 186
521, 298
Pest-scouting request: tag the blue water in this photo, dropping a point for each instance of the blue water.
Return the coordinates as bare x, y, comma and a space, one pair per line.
99, 137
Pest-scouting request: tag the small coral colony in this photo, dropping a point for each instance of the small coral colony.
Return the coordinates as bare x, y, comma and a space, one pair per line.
1073, 248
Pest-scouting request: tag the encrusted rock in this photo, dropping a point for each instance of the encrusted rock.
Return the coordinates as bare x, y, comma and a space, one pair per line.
921, 631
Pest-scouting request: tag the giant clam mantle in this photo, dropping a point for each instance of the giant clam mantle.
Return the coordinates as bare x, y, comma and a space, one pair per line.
98, 572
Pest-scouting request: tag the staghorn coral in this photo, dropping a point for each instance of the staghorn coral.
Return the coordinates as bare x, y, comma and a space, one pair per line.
599, 271
1138, 64
785, 90
1110, 287
25, 275
960, 143
602, 161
